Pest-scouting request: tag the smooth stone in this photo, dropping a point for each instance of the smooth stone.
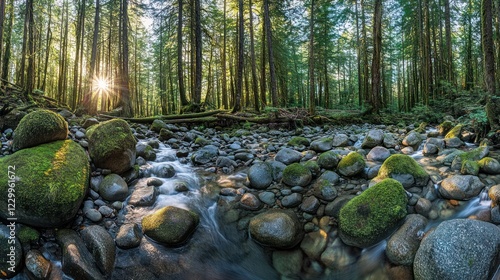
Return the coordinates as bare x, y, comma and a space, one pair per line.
37, 265
267, 197
291, 200
102, 247
129, 236
310, 205
250, 202
276, 228
403, 244
461, 187
314, 244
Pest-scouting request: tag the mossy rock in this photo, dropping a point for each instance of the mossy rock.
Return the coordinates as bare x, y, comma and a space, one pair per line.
352, 164
445, 127
313, 166
296, 174
373, 215
40, 127
472, 155
404, 169
489, 165
201, 141
328, 160
28, 234
455, 132
470, 167
158, 125
51, 183
299, 141
170, 225
421, 128
112, 145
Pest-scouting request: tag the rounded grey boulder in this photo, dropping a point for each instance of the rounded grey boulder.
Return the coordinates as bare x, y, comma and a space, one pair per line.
276, 228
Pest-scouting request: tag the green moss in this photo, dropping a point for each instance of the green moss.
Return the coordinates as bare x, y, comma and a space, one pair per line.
455, 132
351, 159
445, 127
299, 141
475, 154
28, 234
469, 167
170, 225
402, 164
421, 127
52, 180
296, 174
313, 167
485, 161
40, 127
201, 141
370, 216
328, 160
107, 143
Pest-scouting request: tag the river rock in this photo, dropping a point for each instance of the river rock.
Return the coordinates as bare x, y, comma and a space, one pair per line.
102, 247
288, 263
310, 205
430, 149
322, 144
299, 141
166, 134
338, 256
403, 244
296, 175
276, 228
170, 225
291, 200
332, 209
459, 249
378, 153
314, 243
39, 127
51, 181
11, 260
438, 142
260, 175
250, 202
77, 261
373, 138
267, 197
288, 156
112, 145
145, 151
278, 168
225, 162
489, 166
205, 154
324, 187
328, 160
404, 169
413, 139
37, 265
351, 165
469, 167
373, 215
340, 140
445, 127
453, 142
390, 141
473, 155
143, 195
455, 132
494, 195
113, 188
129, 236
157, 125
461, 187
88, 122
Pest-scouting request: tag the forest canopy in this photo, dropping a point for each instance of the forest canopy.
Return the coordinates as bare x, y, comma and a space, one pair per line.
152, 57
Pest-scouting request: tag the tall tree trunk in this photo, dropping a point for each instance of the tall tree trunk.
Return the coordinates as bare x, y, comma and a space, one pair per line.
241, 41
198, 46
48, 38
364, 47
269, 39
22, 72
8, 39
125, 99
493, 100
30, 83
252, 58
312, 99
2, 21
180, 71
225, 104
449, 47
469, 71
79, 38
90, 101
263, 81
377, 50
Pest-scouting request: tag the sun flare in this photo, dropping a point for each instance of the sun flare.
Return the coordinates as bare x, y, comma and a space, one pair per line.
101, 84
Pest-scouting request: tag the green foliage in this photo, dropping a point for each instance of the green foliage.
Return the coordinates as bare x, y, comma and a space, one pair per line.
247, 125
422, 113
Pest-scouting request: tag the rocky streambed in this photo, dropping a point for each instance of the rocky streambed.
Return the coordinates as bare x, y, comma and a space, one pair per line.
112, 200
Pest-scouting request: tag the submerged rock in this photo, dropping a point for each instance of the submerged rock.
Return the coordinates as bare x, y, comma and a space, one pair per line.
459, 249
373, 215
170, 225
276, 228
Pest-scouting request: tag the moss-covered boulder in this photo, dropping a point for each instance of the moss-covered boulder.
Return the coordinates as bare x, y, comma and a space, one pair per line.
40, 127
489, 166
472, 155
322, 144
373, 138
328, 160
445, 127
373, 215
158, 125
297, 175
469, 167
299, 141
170, 225
51, 181
112, 145
404, 169
455, 132
276, 228
352, 164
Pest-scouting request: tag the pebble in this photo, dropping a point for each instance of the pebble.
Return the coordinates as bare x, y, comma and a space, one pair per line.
93, 215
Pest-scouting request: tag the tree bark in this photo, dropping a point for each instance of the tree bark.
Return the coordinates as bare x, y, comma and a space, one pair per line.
312, 98
198, 48
272, 70
492, 105
8, 38
2, 21
377, 50
125, 98
252, 58
180, 71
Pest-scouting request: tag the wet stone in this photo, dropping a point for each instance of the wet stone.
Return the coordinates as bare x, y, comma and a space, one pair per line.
292, 200
267, 197
143, 196
129, 236
250, 202
310, 205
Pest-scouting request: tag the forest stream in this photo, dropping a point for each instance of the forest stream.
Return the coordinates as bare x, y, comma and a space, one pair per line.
316, 202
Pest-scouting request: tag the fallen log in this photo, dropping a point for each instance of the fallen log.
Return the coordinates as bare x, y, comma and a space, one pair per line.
259, 120
166, 118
